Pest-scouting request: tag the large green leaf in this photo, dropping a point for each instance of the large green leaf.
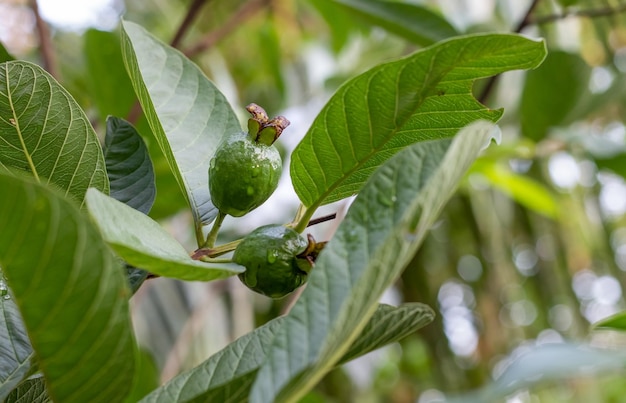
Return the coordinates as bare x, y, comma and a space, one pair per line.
70, 291
30, 391
228, 375
44, 131
415, 23
128, 165
15, 350
188, 115
421, 97
551, 92
142, 242
107, 81
379, 236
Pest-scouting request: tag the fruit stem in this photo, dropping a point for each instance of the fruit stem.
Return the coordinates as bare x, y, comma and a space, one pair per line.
212, 236
301, 220
225, 248
212, 260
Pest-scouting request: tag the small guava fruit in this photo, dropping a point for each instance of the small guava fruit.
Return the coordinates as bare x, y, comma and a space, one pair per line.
274, 260
246, 167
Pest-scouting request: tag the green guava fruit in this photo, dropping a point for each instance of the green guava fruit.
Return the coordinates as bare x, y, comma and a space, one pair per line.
270, 255
243, 174
246, 167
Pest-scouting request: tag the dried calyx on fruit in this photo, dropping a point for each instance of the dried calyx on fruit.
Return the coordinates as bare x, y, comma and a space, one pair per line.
246, 167
277, 259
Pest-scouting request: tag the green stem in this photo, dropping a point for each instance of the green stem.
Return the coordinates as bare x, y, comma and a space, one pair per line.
225, 248
213, 260
212, 236
302, 218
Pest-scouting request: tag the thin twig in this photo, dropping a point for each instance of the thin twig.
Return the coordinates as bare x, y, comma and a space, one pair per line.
184, 26
245, 12
524, 22
45, 43
322, 219
589, 13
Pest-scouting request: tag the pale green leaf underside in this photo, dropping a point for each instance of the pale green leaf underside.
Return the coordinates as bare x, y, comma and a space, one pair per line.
43, 131
15, 350
380, 234
546, 363
421, 97
228, 375
188, 115
71, 293
142, 242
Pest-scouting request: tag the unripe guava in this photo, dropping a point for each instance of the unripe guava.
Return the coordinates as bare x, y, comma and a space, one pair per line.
270, 256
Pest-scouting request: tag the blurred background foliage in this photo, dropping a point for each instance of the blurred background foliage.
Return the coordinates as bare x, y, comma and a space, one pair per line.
529, 252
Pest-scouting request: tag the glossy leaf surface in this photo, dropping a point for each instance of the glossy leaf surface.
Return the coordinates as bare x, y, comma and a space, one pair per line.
44, 131
422, 97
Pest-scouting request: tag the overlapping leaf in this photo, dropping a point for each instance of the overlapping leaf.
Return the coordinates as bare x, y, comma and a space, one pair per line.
30, 391
411, 21
424, 96
187, 113
380, 234
70, 291
43, 131
129, 168
229, 374
142, 242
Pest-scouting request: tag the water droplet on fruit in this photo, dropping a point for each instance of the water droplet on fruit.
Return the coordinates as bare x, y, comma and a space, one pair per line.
212, 163
255, 171
272, 255
250, 190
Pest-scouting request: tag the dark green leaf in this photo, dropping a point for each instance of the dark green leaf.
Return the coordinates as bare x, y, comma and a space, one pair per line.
15, 350
30, 391
135, 276
410, 21
141, 241
422, 97
228, 375
128, 165
70, 291
44, 131
107, 81
551, 92
188, 115
378, 237
5, 56
146, 377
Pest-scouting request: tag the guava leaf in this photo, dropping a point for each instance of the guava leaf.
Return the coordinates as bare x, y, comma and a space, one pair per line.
421, 97
16, 352
228, 375
70, 290
552, 92
142, 242
30, 391
106, 78
5, 56
129, 167
188, 115
44, 132
413, 22
379, 235
545, 363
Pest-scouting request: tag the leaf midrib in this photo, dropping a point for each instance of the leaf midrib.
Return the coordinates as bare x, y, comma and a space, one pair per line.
16, 124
